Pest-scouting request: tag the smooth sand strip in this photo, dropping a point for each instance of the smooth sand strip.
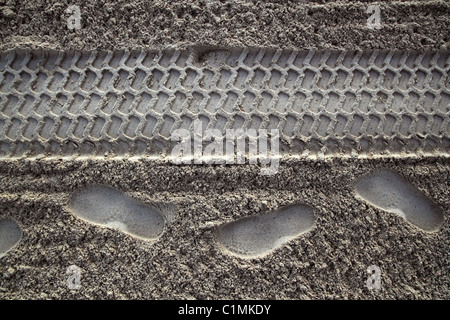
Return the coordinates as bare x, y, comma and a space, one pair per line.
259, 235
10, 235
109, 207
387, 190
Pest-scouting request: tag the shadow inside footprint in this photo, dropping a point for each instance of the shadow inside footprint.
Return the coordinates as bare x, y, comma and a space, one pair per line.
109, 207
387, 190
257, 236
10, 235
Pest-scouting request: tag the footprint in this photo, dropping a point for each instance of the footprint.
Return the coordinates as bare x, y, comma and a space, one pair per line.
387, 190
109, 207
257, 236
10, 235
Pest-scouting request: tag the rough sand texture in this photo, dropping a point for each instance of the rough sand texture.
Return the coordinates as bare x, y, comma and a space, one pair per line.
181, 24
329, 261
186, 261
